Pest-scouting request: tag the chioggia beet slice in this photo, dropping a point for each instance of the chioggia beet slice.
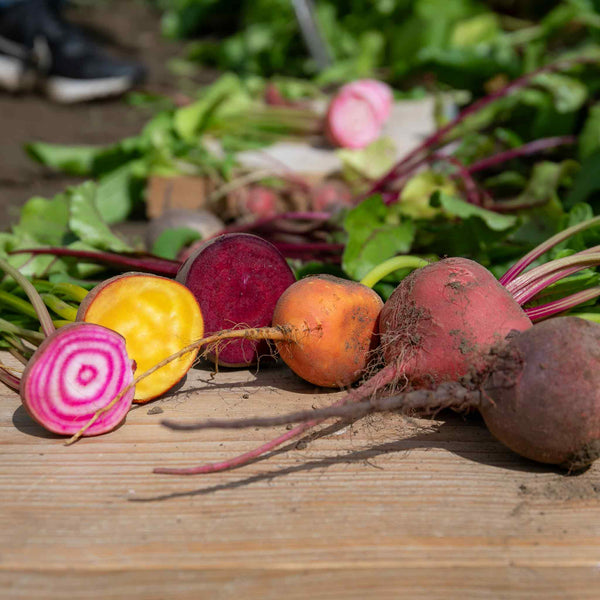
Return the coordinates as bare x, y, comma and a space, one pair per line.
76, 371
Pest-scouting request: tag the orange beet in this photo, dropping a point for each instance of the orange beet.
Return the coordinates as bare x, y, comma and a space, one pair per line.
336, 323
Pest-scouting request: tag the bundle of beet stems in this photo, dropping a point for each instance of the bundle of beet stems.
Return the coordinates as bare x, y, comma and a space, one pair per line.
431, 150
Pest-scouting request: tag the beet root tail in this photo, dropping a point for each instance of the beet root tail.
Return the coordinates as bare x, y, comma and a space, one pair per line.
383, 378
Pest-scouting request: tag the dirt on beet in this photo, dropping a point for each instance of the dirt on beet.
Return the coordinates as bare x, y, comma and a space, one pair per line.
125, 28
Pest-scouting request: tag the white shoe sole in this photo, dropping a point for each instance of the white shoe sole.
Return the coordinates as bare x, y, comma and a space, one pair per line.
12, 75
69, 91
60, 89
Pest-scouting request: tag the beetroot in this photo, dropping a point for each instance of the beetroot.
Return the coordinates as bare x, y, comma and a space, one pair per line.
356, 114
543, 393
237, 278
261, 201
443, 318
79, 379
527, 393
77, 370
437, 326
377, 93
331, 196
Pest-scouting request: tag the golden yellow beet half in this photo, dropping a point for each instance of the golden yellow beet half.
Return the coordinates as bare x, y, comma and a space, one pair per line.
157, 317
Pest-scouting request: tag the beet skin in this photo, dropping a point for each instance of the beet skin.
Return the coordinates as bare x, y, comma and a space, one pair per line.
543, 395
442, 319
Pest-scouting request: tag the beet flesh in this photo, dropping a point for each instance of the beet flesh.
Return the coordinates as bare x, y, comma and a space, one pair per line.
441, 321
351, 121
543, 394
237, 279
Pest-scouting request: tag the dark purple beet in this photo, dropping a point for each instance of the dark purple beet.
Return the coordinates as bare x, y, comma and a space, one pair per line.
237, 279
543, 395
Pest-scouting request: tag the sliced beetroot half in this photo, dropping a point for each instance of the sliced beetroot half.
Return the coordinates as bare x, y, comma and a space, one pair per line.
77, 370
379, 94
237, 279
352, 121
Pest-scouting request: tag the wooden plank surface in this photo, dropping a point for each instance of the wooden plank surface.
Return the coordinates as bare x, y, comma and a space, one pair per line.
385, 508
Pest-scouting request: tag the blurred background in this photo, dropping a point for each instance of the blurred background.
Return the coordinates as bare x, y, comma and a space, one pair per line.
420, 47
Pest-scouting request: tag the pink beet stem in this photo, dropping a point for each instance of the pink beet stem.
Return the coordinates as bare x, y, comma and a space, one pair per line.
527, 293
530, 290
520, 286
534, 254
538, 313
377, 382
6, 377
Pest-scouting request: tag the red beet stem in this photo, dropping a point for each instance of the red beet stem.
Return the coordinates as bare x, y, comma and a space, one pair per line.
524, 150
377, 382
145, 263
470, 185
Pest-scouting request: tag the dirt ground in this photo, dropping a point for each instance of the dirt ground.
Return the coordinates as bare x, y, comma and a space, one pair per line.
126, 28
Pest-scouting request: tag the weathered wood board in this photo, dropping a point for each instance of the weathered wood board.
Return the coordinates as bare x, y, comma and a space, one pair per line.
385, 508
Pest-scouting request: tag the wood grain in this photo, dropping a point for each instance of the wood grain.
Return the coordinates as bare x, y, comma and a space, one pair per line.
384, 508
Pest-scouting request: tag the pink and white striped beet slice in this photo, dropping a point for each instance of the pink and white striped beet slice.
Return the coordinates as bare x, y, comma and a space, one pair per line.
76, 371
351, 121
378, 93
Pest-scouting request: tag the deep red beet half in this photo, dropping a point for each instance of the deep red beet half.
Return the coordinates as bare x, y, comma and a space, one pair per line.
237, 279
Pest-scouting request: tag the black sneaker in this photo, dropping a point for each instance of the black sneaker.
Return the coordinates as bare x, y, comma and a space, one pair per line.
39, 49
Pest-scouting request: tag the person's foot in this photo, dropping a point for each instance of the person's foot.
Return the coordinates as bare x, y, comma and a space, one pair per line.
39, 49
